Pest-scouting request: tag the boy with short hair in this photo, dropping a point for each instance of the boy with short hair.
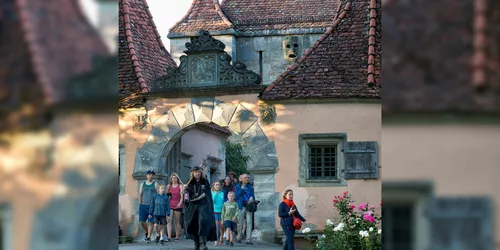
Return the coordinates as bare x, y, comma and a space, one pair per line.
229, 214
160, 211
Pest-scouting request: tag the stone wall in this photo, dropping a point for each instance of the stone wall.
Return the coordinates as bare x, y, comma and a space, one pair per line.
275, 54
274, 61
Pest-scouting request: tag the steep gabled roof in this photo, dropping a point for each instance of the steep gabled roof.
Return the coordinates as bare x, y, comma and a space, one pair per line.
202, 15
42, 45
343, 63
143, 57
280, 14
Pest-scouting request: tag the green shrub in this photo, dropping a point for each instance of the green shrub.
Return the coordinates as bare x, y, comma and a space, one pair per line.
358, 228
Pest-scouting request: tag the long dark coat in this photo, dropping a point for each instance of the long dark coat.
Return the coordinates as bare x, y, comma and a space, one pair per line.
200, 219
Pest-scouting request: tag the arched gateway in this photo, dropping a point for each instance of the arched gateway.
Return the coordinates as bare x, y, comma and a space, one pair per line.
206, 72
245, 128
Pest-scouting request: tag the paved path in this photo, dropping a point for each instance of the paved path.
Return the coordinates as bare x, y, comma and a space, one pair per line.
189, 245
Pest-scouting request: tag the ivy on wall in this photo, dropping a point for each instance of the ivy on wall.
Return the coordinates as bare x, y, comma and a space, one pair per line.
267, 113
236, 160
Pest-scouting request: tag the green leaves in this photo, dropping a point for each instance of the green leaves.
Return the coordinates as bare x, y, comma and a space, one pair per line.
236, 160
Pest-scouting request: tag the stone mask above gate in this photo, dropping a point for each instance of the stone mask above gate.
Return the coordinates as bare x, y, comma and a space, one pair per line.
206, 64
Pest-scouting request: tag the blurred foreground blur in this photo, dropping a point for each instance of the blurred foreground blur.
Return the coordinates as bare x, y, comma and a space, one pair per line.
58, 133
440, 125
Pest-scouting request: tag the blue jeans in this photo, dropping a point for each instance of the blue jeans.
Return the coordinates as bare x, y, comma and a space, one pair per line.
289, 243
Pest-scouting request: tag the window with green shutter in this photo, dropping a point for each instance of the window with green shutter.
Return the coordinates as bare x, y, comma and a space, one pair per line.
461, 223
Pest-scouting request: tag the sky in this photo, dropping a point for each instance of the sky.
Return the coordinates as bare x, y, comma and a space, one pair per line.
166, 13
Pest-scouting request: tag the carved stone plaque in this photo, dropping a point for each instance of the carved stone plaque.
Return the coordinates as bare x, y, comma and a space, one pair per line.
205, 64
203, 70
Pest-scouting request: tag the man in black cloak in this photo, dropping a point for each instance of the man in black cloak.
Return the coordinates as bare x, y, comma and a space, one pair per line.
199, 210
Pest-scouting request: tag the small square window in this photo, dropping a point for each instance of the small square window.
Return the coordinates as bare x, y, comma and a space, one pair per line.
321, 160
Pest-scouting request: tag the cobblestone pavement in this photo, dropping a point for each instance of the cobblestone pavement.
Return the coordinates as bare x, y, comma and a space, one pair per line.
189, 245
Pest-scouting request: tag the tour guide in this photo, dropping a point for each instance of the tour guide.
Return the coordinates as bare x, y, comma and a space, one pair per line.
199, 210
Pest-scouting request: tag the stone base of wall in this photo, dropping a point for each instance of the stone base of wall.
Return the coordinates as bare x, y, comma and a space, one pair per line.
266, 235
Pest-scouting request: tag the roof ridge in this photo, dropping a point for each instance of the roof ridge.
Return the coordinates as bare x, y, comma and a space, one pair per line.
218, 10
341, 14
371, 42
130, 44
35, 57
155, 30
479, 56
222, 14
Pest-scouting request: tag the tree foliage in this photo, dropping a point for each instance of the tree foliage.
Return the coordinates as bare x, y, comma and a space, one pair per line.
236, 160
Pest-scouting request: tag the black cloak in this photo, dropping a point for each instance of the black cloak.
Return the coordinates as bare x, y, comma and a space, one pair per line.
199, 216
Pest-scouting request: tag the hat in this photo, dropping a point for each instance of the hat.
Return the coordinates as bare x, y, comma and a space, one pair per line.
150, 172
196, 168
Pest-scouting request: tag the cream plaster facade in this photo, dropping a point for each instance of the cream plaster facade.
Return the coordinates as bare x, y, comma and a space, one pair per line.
360, 121
457, 160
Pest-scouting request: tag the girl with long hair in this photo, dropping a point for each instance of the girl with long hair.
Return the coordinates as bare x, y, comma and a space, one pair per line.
218, 199
175, 191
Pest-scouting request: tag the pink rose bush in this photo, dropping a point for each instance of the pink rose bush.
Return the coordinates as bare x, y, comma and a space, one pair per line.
358, 227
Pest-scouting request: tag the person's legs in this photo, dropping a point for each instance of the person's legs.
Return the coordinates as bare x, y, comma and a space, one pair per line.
143, 217
150, 228
232, 229
178, 229
169, 225
241, 220
290, 239
201, 219
249, 227
217, 226
221, 238
228, 236
289, 244
162, 226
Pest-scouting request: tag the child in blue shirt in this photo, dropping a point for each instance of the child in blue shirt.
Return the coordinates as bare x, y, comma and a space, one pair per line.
218, 199
160, 211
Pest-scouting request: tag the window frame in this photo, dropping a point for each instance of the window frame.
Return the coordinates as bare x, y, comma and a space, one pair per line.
6, 224
321, 139
122, 168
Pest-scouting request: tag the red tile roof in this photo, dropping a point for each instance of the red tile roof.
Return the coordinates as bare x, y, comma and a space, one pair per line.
143, 57
218, 128
42, 45
52, 31
441, 56
343, 63
279, 14
203, 15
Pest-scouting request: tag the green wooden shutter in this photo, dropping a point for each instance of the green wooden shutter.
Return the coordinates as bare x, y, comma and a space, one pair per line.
361, 160
460, 223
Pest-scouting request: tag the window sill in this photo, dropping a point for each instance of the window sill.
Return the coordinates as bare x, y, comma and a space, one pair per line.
322, 183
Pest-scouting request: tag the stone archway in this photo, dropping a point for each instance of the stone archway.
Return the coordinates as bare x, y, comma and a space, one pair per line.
83, 218
169, 127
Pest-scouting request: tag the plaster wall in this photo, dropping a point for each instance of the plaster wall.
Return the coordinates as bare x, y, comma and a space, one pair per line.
464, 160
200, 144
360, 121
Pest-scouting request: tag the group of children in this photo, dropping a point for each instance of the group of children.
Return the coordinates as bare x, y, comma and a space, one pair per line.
225, 210
226, 213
